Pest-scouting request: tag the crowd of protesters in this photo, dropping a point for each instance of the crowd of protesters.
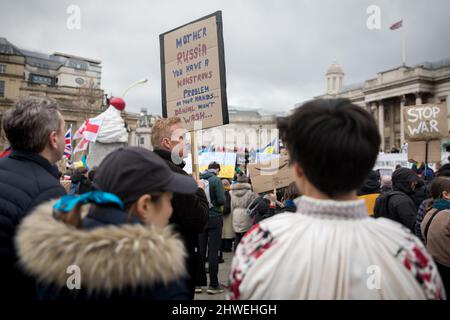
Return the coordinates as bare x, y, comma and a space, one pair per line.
139, 227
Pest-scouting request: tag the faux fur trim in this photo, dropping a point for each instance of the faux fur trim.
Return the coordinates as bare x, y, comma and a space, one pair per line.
241, 186
110, 258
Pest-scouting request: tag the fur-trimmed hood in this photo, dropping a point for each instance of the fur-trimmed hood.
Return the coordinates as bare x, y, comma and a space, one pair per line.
240, 189
241, 195
110, 257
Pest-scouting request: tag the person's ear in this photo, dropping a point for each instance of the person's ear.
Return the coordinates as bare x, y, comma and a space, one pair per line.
166, 143
53, 139
446, 195
143, 206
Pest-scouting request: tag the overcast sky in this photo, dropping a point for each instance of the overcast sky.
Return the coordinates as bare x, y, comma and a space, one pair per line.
276, 52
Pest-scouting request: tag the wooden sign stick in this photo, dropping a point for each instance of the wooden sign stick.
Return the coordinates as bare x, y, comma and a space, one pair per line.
194, 154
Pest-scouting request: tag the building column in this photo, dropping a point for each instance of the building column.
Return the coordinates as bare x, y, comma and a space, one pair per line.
418, 98
402, 121
391, 110
368, 108
381, 123
373, 110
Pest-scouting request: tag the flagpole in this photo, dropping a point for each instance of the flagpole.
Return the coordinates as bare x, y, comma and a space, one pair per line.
403, 44
71, 146
142, 81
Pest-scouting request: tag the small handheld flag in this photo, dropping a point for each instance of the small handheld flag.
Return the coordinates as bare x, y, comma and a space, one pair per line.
396, 25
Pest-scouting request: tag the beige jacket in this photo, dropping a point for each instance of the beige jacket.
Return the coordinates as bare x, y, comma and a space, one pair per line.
438, 239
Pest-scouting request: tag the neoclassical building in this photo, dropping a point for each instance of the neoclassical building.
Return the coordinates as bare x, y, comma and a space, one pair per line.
385, 95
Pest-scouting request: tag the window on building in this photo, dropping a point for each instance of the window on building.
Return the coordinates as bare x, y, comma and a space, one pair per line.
2, 88
334, 83
2, 68
5, 48
142, 141
79, 81
41, 79
78, 65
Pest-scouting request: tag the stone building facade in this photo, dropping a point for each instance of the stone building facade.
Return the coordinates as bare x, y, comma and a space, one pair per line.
385, 95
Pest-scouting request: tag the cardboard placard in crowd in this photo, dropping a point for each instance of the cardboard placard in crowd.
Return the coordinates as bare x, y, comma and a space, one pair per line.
267, 176
416, 151
425, 122
193, 73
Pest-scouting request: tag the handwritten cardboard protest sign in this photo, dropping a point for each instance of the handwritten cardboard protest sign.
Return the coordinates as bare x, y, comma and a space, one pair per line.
274, 174
193, 73
425, 122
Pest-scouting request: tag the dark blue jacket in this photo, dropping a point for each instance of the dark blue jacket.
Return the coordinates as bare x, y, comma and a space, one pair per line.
147, 254
26, 180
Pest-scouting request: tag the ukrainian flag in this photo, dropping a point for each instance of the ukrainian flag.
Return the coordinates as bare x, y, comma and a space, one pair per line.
269, 149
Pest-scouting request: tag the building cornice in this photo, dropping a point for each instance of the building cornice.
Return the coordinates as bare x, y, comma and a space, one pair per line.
399, 84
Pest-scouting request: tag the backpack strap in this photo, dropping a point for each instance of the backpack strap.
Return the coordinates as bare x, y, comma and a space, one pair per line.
425, 232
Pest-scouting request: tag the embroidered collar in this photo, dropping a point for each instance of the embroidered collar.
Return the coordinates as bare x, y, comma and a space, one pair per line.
354, 209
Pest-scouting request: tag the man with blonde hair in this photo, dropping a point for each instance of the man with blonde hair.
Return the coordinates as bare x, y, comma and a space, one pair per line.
190, 211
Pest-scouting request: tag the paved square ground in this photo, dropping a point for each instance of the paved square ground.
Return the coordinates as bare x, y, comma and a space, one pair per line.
224, 271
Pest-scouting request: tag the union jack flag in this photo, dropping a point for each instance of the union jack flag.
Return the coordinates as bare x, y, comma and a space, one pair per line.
68, 143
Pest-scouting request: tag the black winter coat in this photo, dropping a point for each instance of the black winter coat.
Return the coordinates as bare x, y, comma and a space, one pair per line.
190, 218
84, 184
227, 204
403, 209
400, 204
26, 180
260, 209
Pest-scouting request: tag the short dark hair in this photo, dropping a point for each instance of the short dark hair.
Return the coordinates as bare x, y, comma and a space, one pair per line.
439, 185
335, 142
28, 124
214, 165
